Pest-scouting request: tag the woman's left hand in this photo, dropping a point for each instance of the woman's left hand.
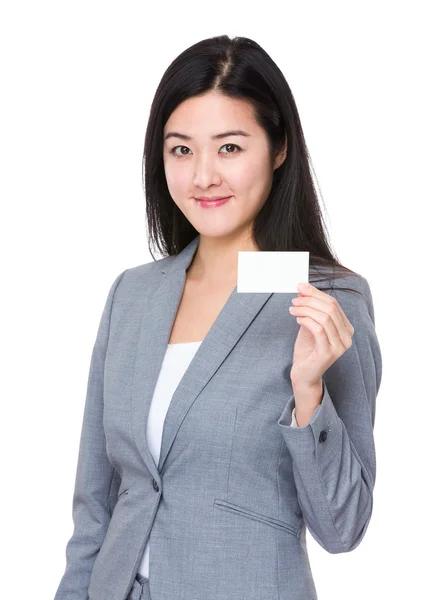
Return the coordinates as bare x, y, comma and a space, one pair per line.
325, 334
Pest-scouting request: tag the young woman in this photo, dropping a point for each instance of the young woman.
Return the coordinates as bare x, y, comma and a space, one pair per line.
219, 426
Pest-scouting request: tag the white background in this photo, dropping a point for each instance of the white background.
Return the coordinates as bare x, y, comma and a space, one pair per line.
77, 82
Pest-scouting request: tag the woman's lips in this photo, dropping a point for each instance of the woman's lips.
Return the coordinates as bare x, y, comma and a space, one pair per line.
212, 203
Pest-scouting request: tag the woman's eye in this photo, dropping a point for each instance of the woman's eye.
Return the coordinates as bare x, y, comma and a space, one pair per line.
175, 153
180, 154
232, 146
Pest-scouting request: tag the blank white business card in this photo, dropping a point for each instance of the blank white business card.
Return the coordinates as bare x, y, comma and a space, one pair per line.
268, 272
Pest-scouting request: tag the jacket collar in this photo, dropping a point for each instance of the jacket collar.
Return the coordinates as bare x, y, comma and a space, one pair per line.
157, 320
183, 259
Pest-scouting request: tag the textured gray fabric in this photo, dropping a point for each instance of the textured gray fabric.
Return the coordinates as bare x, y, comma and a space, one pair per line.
140, 589
236, 486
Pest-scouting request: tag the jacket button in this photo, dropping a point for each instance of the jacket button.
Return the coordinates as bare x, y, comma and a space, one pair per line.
323, 435
155, 486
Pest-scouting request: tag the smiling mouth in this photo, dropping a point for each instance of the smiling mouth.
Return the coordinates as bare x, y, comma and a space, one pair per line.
210, 203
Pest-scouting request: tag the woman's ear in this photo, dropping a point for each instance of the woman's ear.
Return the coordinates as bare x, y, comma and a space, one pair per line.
280, 157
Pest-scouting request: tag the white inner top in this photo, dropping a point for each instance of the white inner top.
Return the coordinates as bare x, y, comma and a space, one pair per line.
176, 360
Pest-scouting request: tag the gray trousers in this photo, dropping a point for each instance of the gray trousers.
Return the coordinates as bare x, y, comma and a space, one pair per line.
140, 588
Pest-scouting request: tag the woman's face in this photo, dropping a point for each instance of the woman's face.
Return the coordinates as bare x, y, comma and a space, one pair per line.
231, 165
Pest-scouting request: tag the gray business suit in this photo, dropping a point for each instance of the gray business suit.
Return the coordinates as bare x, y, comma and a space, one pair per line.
228, 504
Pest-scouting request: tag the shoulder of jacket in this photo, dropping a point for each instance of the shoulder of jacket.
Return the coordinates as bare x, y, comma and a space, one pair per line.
139, 278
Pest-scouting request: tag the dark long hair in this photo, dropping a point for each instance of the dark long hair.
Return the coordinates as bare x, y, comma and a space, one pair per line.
290, 219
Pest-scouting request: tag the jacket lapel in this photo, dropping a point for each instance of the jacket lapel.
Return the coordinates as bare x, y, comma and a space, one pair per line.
156, 326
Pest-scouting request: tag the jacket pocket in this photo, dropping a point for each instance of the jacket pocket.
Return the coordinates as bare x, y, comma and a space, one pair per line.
122, 494
245, 512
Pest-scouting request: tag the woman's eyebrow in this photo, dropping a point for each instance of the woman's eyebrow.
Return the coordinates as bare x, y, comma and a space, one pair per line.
218, 136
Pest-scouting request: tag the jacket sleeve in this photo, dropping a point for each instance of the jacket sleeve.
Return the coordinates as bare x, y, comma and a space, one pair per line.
96, 481
333, 456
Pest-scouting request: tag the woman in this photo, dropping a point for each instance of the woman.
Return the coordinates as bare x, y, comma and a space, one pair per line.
189, 431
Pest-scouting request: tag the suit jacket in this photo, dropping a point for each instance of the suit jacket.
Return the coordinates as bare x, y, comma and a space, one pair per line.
228, 504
